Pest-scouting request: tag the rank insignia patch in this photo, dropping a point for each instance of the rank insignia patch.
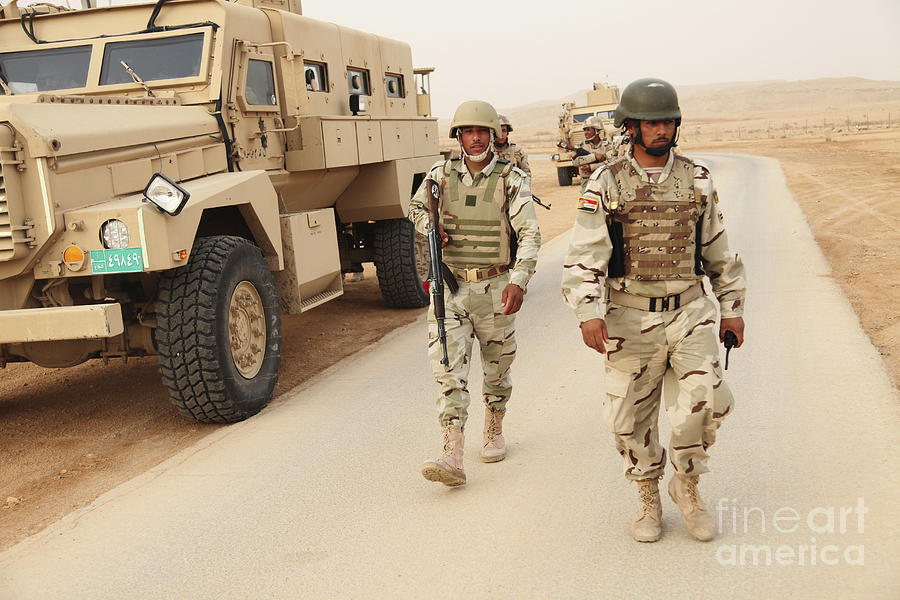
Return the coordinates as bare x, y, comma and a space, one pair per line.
588, 205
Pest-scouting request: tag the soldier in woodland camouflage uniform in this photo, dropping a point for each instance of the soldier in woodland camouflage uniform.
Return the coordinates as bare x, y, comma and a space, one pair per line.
648, 229
484, 201
508, 151
595, 144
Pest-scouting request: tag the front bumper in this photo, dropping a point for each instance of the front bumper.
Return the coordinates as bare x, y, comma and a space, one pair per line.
61, 323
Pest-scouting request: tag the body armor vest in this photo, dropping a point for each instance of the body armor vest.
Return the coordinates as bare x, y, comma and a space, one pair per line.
475, 218
655, 227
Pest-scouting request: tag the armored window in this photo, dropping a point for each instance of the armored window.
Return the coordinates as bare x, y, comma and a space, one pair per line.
39, 70
393, 85
607, 114
358, 82
260, 83
158, 58
582, 117
316, 75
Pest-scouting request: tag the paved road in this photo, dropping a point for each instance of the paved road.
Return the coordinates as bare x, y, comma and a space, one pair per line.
320, 495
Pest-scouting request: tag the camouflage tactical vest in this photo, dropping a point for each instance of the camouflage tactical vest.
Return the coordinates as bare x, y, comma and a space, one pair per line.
475, 218
655, 225
508, 153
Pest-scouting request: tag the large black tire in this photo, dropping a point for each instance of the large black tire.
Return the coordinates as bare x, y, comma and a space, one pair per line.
564, 176
402, 262
219, 331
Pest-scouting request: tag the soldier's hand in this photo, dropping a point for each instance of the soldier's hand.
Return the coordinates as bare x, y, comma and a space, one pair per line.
512, 299
594, 334
444, 237
584, 170
600, 155
735, 325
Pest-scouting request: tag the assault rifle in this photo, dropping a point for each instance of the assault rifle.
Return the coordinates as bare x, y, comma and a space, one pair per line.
439, 271
583, 157
540, 202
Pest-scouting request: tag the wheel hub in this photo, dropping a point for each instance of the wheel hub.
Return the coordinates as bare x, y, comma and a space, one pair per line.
247, 329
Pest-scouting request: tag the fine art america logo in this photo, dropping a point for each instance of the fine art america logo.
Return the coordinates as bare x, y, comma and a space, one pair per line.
828, 521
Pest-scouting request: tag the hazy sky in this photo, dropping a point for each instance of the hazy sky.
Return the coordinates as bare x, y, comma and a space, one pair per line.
514, 53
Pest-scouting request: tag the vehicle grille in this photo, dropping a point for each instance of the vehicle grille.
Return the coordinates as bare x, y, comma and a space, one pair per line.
7, 246
577, 137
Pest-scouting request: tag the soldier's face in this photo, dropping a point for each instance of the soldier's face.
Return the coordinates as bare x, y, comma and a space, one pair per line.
590, 133
656, 134
474, 140
504, 135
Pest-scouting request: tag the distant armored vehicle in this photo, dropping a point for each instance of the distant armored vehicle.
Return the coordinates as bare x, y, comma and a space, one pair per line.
601, 102
177, 175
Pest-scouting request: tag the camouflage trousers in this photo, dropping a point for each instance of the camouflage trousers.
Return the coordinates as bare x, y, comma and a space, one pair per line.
643, 346
473, 312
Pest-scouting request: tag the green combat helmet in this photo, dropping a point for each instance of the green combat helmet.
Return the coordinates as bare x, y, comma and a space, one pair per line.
648, 99
475, 113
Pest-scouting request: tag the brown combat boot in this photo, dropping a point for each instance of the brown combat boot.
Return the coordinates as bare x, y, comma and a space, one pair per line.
698, 521
494, 448
448, 469
647, 525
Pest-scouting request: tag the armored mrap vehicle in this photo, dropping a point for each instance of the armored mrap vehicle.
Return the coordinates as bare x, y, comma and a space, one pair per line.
601, 102
177, 175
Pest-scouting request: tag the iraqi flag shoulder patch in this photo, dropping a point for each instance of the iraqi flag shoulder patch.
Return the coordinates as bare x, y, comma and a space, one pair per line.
588, 205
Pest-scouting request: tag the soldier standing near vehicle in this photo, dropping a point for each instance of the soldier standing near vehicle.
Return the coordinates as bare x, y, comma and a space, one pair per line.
648, 228
511, 152
595, 144
484, 204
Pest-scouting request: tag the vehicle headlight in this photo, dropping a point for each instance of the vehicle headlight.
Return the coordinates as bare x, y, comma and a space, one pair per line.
167, 195
114, 234
555, 157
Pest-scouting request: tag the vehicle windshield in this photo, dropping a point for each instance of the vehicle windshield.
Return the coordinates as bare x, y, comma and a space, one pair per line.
607, 114
582, 118
160, 58
42, 70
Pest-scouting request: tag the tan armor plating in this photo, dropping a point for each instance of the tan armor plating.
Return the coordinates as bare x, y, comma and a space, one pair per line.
475, 218
659, 221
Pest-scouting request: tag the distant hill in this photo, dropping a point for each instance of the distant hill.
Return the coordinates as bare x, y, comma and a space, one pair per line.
733, 104
737, 98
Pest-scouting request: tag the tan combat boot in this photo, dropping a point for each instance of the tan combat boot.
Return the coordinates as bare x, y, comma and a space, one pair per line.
494, 448
647, 525
448, 469
698, 521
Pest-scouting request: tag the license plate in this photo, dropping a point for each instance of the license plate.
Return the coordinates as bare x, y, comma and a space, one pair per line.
125, 260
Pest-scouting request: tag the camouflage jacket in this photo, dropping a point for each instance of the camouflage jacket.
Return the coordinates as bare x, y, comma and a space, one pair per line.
520, 212
584, 271
516, 155
602, 146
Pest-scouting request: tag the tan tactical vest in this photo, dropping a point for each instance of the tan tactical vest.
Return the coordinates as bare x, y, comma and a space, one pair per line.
475, 218
659, 222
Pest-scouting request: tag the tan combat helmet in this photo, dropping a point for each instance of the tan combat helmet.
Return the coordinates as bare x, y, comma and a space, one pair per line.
648, 99
475, 113
504, 120
597, 123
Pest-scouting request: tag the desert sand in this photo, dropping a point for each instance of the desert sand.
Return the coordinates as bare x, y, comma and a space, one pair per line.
72, 434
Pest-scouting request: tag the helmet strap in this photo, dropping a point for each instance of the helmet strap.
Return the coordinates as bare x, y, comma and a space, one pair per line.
639, 140
479, 157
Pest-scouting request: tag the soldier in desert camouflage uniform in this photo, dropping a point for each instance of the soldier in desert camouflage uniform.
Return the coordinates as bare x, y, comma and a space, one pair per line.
596, 144
484, 201
648, 229
509, 151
